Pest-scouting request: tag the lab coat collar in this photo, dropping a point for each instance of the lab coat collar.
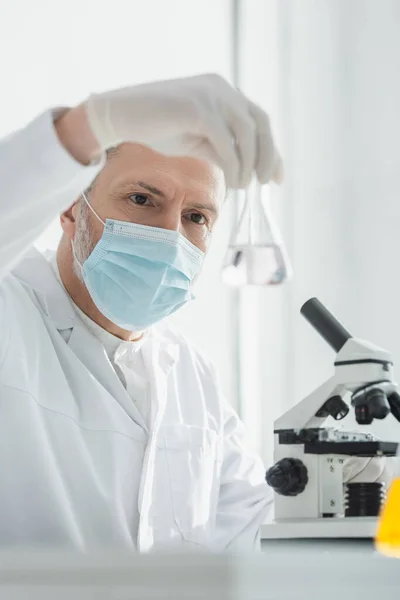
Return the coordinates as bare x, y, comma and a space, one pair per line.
36, 273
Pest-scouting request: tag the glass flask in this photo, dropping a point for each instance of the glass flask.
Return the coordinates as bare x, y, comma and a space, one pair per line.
256, 254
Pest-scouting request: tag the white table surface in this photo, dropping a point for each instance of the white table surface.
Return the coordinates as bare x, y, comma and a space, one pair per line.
279, 573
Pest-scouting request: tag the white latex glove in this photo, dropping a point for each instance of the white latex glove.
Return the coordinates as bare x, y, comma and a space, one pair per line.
202, 116
359, 469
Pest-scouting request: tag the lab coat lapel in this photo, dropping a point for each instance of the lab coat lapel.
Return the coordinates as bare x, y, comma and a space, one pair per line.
92, 354
35, 272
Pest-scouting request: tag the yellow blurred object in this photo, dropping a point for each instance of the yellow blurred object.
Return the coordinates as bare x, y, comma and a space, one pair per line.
387, 539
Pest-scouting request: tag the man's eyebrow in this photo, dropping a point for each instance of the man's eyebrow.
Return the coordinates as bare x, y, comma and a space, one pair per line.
208, 207
199, 206
151, 189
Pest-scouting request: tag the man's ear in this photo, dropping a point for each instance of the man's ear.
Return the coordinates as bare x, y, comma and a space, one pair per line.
68, 220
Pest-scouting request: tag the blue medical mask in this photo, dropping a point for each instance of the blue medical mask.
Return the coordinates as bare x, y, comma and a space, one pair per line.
138, 275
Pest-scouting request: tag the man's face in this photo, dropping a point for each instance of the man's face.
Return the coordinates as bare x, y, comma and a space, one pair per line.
142, 186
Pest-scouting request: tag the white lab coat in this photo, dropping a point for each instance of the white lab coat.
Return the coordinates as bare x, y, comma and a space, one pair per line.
78, 466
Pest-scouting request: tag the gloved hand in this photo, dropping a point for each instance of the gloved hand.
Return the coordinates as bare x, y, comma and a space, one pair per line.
359, 469
202, 116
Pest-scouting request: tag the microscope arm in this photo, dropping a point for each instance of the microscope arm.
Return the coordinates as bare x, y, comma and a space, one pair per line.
304, 414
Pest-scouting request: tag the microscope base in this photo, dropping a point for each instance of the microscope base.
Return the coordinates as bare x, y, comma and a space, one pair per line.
330, 528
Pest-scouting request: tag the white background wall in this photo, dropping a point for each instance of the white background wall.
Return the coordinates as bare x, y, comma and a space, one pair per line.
340, 82
336, 98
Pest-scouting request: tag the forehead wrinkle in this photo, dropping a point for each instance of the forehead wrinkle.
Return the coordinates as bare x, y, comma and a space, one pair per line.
210, 189
169, 174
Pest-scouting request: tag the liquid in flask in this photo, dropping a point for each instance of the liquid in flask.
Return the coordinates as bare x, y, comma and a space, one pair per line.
256, 254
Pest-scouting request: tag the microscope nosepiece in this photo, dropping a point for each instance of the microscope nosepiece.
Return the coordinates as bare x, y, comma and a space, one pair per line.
373, 404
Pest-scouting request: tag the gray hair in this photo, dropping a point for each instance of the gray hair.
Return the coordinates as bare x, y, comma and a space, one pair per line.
110, 152
83, 242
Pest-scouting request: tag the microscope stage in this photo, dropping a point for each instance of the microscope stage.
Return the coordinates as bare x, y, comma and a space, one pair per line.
371, 448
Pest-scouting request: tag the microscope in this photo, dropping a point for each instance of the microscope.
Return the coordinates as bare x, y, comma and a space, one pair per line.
311, 498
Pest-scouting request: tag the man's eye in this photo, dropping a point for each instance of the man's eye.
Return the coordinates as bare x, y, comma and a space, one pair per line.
139, 199
198, 218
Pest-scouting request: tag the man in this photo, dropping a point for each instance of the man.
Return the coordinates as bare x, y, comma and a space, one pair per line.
113, 427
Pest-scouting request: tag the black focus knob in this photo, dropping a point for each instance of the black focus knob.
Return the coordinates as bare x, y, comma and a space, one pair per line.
288, 477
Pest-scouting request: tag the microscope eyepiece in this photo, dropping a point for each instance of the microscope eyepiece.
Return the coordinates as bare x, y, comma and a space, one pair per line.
325, 323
